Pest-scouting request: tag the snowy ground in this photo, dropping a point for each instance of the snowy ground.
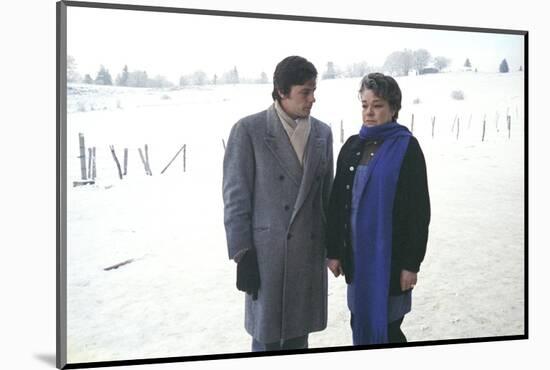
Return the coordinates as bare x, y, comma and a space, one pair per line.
178, 297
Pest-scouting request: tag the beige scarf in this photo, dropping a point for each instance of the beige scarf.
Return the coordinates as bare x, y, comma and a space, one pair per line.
297, 131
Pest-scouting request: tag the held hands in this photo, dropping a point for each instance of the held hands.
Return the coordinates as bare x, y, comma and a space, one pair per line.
248, 274
407, 280
335, 267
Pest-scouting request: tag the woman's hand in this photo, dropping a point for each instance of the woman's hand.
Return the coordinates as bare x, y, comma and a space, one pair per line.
335, 267
407, 280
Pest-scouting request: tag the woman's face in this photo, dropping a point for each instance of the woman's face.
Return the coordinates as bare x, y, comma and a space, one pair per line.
376, 110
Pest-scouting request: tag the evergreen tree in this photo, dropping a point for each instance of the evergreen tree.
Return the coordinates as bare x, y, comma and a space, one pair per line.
263, 78
467, 63
88, 79
122, 79
330, 73
503, 68
103, 77
235, 75
232, 76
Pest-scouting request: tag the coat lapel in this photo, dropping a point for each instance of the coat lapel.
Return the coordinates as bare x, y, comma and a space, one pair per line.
314, 150
279, 144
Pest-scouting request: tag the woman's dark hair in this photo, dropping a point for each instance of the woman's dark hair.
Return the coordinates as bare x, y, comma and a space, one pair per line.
384, 87
293, 70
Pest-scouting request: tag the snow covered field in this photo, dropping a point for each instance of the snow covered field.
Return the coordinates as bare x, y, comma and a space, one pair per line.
178, 298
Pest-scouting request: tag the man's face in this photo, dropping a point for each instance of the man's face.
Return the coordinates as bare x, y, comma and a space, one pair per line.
299, 101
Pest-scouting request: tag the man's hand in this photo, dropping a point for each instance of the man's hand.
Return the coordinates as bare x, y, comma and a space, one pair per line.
248, 274
335, 267
407, 280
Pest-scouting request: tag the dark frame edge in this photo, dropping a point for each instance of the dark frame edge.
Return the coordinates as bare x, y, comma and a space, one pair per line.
288, 17
526, 181
290, 352
61, 184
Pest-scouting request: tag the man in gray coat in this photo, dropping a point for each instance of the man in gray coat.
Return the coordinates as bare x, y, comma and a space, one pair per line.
277, 174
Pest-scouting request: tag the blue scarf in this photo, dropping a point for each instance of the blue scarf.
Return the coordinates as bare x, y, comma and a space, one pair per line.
373, 234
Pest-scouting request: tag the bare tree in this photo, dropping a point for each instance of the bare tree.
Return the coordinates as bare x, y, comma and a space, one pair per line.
441, 62
357, 69
399, 62
421, 58
72, 74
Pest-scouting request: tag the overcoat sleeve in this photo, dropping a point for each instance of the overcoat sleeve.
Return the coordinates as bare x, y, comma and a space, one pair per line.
412, 210
238, 189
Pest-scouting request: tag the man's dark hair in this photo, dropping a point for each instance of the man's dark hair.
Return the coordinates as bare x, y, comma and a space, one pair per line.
293, 70
384, 87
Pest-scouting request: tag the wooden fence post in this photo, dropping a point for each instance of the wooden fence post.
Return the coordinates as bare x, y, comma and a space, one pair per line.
147, 161
412, 123
94, 173
89, 163
223, 143
484, 123
125, 161
433, 126
82, 156
172, 160
184, 156
116, 161
454, 123
341, 131
143, 160
509, 126
457, 127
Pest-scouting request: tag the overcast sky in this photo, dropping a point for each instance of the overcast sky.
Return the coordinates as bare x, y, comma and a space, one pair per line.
176, 44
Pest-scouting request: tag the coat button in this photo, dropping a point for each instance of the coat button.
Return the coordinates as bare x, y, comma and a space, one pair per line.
312, 236
288, 236
358, 153
281, 177
352, 168
348, 187
371, 154
287, 207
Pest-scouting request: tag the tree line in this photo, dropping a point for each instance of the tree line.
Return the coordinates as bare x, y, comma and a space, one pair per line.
397, 63
140, 78
401, 63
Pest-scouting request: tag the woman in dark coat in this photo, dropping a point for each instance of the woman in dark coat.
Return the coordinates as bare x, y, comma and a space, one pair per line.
379, 216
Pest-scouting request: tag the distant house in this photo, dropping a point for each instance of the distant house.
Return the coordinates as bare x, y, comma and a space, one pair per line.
427, 70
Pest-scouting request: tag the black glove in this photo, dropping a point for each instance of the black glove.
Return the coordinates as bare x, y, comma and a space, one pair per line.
248, 275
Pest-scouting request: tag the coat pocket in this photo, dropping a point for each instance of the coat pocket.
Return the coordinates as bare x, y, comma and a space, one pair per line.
260, 235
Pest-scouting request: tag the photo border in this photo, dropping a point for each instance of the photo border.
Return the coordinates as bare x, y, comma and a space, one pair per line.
61, 184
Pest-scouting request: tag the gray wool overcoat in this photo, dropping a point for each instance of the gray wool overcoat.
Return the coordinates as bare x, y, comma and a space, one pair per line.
274, 205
